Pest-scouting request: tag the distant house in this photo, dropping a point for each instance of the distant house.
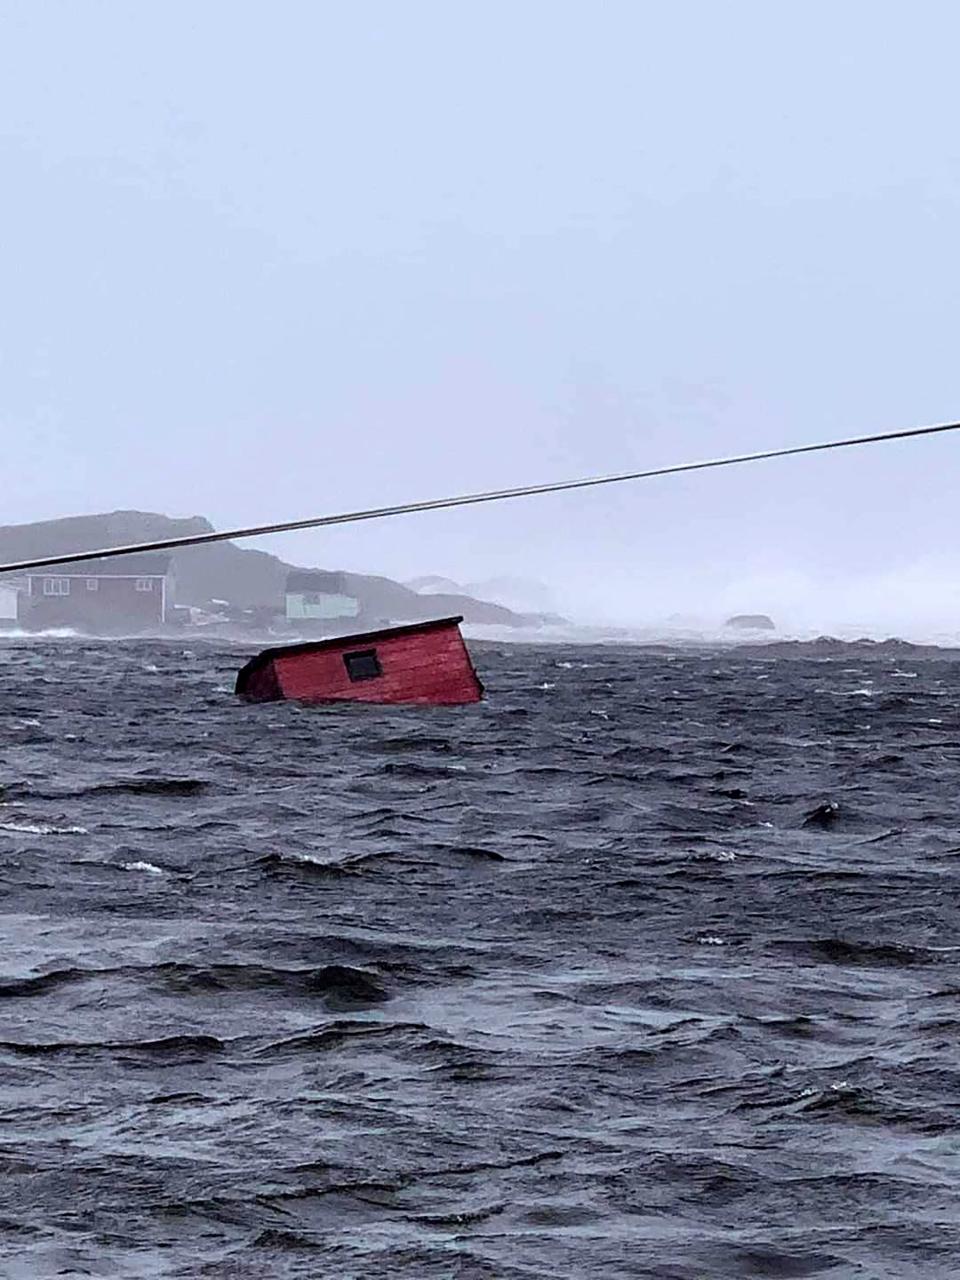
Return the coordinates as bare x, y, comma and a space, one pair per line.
313, 596
129, 593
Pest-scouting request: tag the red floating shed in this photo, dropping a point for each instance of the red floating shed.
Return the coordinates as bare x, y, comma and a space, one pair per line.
426, 664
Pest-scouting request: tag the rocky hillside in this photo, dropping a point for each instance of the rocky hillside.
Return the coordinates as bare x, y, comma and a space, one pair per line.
223, 571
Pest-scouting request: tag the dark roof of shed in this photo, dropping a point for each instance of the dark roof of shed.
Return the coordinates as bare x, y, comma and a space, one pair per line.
148, 565
315, 580
340, 642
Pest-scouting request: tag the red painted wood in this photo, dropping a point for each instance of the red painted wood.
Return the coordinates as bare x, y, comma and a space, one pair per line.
260, 684
426, 667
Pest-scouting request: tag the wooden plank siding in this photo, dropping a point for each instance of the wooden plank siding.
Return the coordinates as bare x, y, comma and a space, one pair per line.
421, 665
95, 602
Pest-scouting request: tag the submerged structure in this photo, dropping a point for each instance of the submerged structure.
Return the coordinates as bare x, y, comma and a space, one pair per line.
424, 664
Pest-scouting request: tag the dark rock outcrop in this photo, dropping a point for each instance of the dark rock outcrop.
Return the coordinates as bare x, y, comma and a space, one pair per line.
751, 622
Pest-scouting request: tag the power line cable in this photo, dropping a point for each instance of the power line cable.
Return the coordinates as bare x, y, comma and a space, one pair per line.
466, 500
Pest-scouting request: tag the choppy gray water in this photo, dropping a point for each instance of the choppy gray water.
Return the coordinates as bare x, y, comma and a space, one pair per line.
570, 984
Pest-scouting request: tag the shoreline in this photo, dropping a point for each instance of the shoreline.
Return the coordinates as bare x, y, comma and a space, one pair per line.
822, 647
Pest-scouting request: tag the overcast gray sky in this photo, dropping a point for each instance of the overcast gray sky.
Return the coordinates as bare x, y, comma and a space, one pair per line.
261, 261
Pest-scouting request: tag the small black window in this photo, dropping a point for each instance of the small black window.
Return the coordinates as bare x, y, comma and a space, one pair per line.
363, 665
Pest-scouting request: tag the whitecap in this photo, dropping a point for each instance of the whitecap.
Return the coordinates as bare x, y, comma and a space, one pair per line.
143, 866
41, 829
714, 855
711, 940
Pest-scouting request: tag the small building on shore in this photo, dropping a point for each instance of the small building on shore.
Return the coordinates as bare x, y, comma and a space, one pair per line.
126, 594
313, 596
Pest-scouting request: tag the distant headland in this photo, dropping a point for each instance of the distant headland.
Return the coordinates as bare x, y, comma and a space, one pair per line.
217, 586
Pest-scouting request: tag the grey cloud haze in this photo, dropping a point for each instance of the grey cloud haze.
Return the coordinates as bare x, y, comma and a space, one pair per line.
262, 261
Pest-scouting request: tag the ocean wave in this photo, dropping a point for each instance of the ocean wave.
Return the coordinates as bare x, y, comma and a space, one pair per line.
175, 1047
41, 829
840, 951
571, 1009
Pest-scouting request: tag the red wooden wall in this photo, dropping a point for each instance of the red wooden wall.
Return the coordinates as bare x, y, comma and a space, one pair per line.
421, 663
430, 667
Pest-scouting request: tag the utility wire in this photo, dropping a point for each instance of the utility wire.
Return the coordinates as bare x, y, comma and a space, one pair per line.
467, 500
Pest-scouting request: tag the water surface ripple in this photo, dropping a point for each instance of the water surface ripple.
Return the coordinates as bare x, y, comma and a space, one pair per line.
645, 967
